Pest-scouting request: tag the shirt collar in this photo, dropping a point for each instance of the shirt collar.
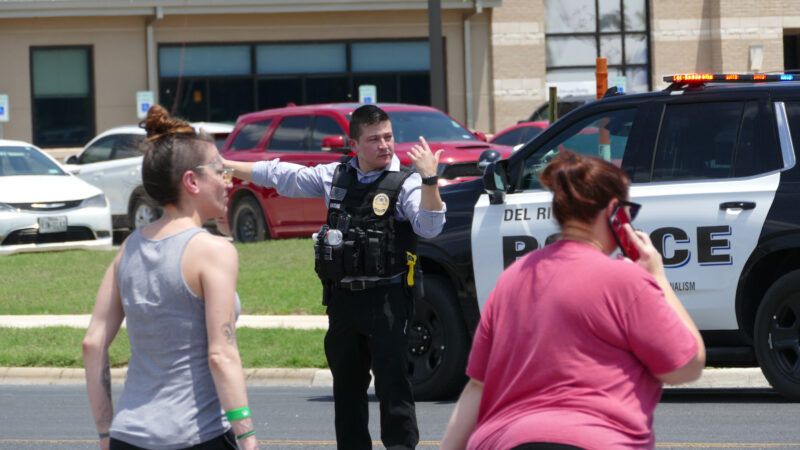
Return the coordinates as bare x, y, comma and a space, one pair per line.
394, 166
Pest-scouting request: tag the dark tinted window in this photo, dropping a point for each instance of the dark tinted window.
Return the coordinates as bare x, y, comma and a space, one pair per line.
99, 151
530, 133
279, 92
250, 135
511, 138
756, 152
292, 134
585, 137
324, 126
230, 98
697, 141
127, 146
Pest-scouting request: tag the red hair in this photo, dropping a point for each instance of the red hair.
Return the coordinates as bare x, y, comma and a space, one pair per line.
582, 186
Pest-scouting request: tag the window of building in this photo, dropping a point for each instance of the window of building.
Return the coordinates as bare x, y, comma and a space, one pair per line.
63, 97
220, 82
579, 31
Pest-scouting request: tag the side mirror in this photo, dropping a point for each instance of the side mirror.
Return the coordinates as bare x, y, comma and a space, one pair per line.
495, 182
72, 159
480, 135
335, 143
487, 157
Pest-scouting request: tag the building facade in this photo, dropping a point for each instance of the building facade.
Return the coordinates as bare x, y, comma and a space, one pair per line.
72, 68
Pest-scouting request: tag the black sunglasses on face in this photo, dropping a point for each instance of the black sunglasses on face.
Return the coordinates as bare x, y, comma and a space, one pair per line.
631, 208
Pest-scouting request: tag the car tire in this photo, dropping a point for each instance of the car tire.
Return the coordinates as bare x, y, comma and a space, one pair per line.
143, 211
438, 343
777, 335
248, 223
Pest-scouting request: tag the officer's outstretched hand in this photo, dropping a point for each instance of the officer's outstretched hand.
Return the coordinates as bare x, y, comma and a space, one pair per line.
425, 161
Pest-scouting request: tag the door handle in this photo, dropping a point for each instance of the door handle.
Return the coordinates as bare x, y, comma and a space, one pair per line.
737, 205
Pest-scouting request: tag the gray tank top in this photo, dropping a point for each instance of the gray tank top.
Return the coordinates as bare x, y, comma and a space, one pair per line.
169, 400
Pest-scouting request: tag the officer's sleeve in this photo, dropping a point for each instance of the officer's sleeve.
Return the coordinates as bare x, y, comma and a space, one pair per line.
293, 180
425, 223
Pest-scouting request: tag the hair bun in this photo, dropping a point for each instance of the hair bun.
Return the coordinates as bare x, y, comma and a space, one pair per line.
159, 124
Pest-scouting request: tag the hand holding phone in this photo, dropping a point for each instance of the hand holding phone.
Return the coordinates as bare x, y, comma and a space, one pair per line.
619, 217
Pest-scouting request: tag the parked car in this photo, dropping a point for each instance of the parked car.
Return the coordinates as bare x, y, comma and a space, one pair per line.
564, 105
518, 135
317, 134
112, 161
43, 207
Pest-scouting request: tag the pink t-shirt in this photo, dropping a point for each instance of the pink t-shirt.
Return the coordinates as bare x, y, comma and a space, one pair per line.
567, 349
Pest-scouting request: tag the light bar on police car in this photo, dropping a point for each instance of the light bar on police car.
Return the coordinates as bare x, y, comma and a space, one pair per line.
730, 77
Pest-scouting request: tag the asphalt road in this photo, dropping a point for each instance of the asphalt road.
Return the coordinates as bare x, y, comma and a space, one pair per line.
57, 417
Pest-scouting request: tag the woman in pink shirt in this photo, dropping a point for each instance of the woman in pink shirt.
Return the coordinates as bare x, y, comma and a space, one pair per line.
573, 346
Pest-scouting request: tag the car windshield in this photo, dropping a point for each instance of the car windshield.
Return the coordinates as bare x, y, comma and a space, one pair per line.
26, 161
408, 126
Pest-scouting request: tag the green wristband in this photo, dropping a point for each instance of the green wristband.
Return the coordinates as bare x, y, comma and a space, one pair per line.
238, 414
245, 435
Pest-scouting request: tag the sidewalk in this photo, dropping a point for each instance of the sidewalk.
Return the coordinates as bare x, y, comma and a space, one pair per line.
722, 378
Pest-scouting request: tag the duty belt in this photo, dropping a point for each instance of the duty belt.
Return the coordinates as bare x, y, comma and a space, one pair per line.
360, 285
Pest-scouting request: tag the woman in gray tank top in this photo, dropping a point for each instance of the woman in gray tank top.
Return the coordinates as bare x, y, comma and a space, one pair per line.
175, 285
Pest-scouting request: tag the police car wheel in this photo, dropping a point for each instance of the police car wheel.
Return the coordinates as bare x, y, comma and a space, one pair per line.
438, 343
248, 223
777, 335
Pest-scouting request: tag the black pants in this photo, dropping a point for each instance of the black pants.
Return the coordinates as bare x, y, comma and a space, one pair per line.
225, 441
367, 329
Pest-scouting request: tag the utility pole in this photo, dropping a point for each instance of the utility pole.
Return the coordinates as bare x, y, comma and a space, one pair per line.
436, 53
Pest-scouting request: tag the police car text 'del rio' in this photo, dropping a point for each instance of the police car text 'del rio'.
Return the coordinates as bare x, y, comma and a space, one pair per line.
711, 159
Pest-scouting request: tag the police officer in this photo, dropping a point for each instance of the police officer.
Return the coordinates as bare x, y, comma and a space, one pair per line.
365, 258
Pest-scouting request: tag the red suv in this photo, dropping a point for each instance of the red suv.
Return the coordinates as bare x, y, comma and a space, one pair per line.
317, 134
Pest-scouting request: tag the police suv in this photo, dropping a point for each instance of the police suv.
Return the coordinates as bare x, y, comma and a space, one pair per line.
711, 159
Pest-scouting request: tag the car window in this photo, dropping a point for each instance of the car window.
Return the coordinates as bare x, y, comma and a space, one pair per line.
292, 134
127, 146
250, 135
756, 152
511, 138
324, 126
26, 161
793, 115
603, 135
408, 126
530, 133
697, 141
98, 152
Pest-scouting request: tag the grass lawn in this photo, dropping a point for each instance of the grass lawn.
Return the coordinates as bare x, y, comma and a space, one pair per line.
275, 277
61, 347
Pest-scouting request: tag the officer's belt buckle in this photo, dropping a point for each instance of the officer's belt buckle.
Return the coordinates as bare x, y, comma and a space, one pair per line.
358, 285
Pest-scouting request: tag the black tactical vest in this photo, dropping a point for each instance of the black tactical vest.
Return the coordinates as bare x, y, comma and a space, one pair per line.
373, 242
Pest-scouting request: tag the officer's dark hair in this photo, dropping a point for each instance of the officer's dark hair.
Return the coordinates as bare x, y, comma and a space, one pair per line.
582, 186
172, 147
364, 116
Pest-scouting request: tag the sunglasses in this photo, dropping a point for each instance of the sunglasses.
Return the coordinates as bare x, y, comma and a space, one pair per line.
225, 172
630, 207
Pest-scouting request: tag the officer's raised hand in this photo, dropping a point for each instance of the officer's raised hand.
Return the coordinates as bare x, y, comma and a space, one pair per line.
426, 163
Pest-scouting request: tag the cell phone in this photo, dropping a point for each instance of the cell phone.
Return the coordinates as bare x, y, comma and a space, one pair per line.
617, 220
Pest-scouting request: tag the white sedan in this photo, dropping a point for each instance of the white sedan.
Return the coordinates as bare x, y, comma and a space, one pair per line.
42, 207
112, 161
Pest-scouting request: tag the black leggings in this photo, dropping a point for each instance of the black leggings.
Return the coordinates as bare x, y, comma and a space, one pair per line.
225, 441
545, 446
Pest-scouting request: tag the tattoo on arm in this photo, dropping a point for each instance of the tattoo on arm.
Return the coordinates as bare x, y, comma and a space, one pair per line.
108, 412
229, 330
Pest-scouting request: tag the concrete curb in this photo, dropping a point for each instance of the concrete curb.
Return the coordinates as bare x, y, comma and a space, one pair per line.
725, 378
245, 321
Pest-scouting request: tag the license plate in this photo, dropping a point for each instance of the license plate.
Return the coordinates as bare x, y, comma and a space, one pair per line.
54, 224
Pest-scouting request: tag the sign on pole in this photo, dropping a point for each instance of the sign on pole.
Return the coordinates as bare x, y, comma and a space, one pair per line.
4, 108
367, 93
144, 100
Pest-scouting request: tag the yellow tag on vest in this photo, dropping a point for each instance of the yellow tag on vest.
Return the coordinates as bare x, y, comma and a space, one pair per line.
380, 204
